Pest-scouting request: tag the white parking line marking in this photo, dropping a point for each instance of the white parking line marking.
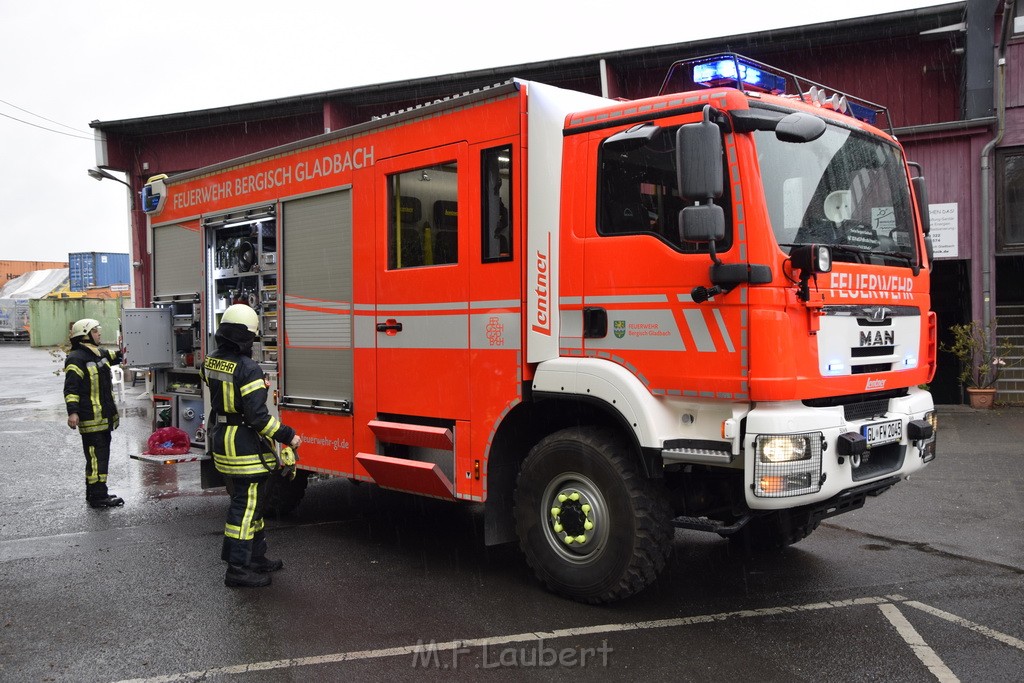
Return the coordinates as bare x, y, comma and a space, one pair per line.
917, 644
960, 621
884, 603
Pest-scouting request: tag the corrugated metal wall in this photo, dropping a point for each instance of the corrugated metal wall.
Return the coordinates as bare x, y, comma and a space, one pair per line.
51, 319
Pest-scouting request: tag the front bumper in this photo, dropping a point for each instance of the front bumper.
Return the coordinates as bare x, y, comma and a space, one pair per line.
826, 469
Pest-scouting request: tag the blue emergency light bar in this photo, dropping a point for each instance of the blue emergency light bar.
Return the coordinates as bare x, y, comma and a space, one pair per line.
723, 71
862, 113
731, 70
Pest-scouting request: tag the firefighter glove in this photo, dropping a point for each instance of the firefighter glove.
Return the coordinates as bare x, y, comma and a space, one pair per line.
288, 460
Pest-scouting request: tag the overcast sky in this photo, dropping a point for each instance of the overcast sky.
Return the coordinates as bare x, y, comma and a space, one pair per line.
66, 63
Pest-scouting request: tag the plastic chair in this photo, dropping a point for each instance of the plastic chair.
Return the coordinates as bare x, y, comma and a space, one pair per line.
117, 380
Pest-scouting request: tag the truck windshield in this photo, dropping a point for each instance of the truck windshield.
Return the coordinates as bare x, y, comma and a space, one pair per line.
844, 189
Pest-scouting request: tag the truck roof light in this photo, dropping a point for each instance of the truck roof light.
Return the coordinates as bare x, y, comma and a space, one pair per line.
726, 70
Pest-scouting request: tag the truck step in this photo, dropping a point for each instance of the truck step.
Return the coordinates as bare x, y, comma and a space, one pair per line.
413, 435
413, 476
712, 525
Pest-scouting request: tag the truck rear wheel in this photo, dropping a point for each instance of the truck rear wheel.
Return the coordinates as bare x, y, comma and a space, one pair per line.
286, 494
592, 527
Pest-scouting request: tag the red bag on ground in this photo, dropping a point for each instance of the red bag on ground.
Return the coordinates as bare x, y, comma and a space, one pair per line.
168, 441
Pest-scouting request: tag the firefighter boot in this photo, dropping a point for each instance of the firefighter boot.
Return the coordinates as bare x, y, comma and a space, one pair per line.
259, 561
264, 565
239, 576
110, 501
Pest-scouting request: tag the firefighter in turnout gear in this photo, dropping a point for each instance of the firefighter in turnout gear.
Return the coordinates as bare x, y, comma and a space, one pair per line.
242, 433
89, 398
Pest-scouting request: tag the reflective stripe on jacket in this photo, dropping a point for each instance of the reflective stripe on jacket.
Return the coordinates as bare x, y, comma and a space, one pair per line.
240, 424
88, 389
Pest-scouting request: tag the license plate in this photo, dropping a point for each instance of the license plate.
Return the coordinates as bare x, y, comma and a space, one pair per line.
881, 433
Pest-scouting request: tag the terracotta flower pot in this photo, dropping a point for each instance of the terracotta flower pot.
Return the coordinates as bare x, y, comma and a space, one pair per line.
981, 399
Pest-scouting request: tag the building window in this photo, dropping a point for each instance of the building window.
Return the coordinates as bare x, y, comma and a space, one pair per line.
423, 217
1010, 199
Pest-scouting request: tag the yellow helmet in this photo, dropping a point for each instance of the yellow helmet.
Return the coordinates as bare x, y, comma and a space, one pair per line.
241, 314
84, 327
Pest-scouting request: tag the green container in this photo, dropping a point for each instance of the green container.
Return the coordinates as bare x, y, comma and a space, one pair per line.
50, 320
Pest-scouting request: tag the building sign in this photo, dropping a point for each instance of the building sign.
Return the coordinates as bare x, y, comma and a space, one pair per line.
945, 230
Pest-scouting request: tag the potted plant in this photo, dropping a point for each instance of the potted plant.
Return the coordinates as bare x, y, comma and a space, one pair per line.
981, 360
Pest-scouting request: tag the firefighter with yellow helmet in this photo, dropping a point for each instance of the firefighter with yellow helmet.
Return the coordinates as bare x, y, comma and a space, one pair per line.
242, 430
89, 398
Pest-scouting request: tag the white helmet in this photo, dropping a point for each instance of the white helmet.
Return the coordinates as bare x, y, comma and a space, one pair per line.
242, 315
83, 327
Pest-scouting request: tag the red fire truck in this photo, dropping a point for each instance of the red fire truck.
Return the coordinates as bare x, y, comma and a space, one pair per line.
602, 320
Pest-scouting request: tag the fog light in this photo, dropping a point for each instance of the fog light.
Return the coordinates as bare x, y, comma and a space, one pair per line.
789, 482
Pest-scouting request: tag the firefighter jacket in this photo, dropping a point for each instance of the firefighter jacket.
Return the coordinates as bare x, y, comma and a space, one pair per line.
88, 389
240, 423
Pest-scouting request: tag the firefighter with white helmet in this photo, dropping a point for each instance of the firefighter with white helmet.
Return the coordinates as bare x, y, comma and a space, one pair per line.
241, 430
89, 398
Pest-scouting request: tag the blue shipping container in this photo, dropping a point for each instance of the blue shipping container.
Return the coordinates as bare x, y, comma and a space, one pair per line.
97, 269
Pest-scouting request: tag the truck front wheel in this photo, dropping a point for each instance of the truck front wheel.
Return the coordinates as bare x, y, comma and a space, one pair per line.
592, 527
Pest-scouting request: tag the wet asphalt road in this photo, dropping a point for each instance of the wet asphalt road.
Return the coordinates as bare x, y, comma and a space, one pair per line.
925, 583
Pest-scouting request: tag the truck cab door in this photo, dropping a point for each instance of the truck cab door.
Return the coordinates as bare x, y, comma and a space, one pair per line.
422, 322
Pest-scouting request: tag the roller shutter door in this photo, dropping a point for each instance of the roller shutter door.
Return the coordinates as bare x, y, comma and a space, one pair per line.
177, 261
316, 272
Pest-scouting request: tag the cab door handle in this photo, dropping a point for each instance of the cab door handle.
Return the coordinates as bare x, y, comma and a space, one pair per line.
390, 327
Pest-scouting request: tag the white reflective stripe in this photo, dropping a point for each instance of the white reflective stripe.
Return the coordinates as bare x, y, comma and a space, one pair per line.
365, 333
506, 303
723, 329
428, 332
397, 308
699, 330
627, 299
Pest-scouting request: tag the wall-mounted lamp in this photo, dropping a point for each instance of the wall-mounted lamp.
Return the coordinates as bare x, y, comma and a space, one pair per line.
100, 174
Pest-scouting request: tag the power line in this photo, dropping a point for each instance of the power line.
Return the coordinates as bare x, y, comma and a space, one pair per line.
62, 125
35, 125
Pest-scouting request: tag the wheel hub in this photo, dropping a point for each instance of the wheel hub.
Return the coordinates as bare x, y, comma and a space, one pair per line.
571, 517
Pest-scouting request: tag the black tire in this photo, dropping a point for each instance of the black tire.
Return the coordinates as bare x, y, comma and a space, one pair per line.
630, 534
286, 494
775, 531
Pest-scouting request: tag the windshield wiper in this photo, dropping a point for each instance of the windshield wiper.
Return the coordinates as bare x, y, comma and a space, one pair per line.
897, 254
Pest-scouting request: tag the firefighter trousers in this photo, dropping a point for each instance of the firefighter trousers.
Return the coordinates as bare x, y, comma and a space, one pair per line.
97, 458
244, 538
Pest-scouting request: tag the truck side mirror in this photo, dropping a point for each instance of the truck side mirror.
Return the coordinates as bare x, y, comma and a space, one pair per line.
799, 127
921, 195
702, 223
699, 160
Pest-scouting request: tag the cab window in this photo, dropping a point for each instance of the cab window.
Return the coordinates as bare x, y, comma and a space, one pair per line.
638, 195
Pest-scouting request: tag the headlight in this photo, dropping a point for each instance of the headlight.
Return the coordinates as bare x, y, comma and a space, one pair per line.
787, 464
783, 448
